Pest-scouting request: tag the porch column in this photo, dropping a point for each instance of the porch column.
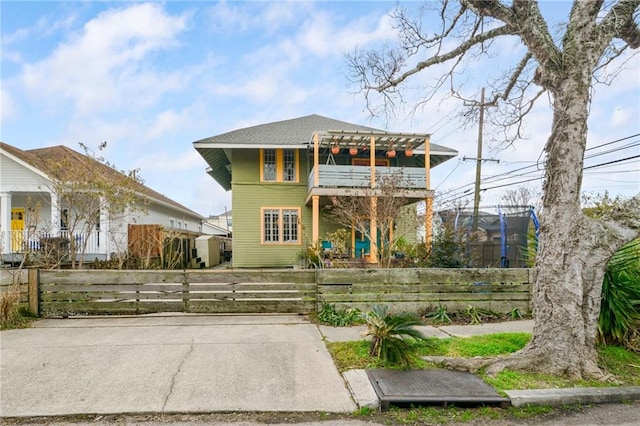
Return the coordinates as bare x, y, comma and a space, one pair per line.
428, 237
315, 199
315, 218
373, 220
5, 222
316, 160
55, 215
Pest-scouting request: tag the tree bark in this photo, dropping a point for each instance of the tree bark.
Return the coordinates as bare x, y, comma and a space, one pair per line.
567, 286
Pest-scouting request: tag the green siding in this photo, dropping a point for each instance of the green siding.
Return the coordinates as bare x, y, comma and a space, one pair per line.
407, 223
248, 197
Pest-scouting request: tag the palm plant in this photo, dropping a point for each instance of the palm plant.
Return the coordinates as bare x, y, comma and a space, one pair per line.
391, 334
619, 318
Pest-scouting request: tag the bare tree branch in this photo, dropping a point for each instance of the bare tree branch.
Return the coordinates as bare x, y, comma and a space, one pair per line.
524, 20
619, 23
438, 59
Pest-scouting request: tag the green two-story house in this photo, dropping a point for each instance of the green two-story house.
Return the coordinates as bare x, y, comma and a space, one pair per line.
282, 173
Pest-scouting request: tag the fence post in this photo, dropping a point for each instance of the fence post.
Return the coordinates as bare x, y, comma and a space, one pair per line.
317, 301
34, 291
185, 292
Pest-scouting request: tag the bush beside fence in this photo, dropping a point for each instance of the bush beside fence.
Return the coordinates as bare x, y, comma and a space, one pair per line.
9, 277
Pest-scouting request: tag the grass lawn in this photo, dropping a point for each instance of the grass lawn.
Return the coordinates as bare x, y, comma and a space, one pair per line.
623, 364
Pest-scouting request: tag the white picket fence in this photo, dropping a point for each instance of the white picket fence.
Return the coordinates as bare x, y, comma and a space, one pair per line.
27, 241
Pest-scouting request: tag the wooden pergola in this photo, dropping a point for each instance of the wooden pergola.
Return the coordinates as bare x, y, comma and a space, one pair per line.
372, 142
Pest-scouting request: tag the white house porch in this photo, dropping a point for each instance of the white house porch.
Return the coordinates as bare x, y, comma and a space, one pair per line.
31, 222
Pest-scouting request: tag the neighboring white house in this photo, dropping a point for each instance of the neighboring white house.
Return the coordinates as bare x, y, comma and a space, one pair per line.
222, 222
26, 181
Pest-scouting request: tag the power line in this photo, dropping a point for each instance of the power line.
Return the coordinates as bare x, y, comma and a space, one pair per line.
608, 163
612, 162
450, 173
612, 142
439, 121
494, 178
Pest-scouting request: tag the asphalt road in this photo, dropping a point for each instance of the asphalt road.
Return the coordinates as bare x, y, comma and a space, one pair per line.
606, 414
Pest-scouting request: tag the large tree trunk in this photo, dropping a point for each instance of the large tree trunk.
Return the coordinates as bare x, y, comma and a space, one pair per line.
566, 296
572, 255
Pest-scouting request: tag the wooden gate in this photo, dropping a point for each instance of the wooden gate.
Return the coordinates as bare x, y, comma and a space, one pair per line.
71, 292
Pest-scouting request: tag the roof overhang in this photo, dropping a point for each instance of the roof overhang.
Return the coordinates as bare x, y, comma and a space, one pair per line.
219, 163
25, 164
210, 145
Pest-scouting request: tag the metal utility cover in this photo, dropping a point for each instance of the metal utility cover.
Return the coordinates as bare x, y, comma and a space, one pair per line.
441, 387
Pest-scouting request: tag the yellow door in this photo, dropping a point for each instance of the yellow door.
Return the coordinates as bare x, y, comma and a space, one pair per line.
17, 228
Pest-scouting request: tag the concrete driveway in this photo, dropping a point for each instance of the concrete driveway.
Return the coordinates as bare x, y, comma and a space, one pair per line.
185, 364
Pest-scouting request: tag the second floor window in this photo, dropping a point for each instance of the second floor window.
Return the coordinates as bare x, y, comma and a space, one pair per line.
269, 165
279, 165
289, 165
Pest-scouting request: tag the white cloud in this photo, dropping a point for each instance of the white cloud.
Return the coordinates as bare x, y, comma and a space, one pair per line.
168, 122
620, 116
8, 106
208, 197
103, 67
270, 72
324, 37
227, 17
166, 161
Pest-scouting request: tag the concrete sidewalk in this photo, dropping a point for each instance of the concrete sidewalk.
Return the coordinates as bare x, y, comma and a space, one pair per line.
166, 364
346, 334
202, 364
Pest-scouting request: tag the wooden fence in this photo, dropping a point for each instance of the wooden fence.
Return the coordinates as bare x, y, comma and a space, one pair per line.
112, 292
419, 290
135, 292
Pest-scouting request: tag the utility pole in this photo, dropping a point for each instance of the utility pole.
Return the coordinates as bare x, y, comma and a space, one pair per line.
479, 160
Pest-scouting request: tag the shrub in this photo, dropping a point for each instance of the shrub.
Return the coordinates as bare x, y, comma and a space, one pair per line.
391, 335
619, 321
439, 316
9, 305
330, 315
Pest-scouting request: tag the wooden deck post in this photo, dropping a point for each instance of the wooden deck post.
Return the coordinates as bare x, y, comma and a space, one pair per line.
315, 200
34, 291
373, 220
315, 218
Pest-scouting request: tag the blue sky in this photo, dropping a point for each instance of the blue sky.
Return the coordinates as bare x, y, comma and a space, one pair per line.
151, 78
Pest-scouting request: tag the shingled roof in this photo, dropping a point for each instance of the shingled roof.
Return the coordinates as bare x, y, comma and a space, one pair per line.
292, 133
42, 159
286, 133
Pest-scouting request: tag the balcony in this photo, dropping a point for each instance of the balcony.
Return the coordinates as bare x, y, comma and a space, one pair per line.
335, 180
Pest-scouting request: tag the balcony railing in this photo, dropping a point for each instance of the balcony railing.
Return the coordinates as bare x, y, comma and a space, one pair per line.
333, 176
28, 241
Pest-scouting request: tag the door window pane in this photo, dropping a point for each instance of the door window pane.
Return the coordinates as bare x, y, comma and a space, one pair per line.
271, 229
290, 226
